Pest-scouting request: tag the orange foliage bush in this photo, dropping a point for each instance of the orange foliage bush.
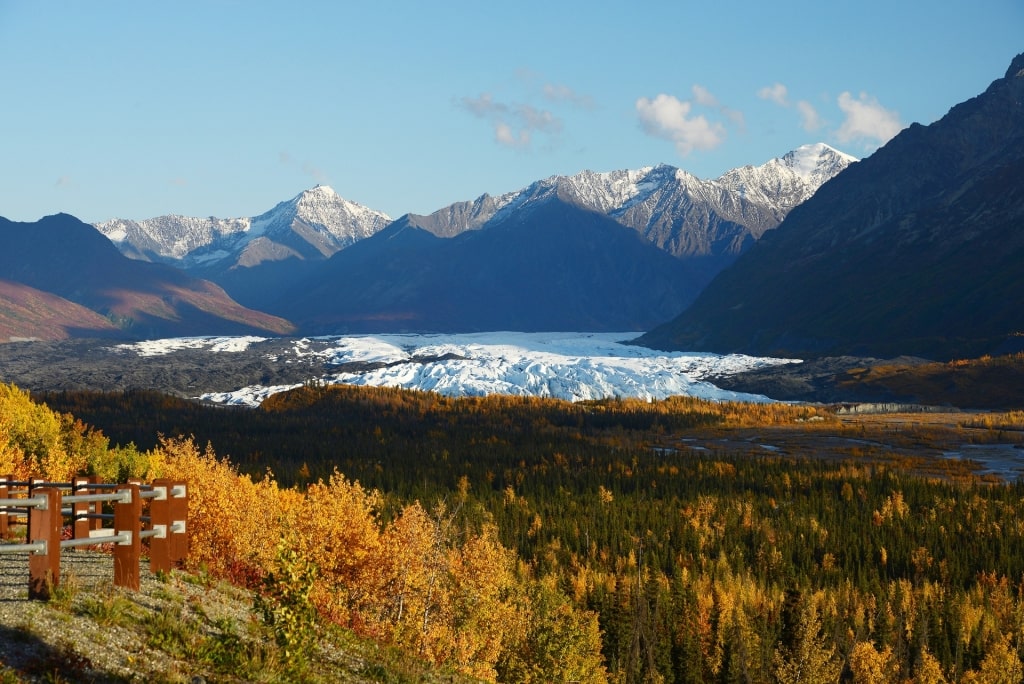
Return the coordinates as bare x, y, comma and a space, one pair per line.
234, 523
449, 594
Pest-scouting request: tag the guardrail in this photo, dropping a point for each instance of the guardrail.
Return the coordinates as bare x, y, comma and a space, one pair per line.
41, 506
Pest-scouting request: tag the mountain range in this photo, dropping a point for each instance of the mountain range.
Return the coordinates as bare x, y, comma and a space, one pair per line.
594, 260
915, 250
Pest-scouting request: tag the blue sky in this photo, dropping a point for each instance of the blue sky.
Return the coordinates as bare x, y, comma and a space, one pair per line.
138, 109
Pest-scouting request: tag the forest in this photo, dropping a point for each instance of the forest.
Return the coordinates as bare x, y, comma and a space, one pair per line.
537, 540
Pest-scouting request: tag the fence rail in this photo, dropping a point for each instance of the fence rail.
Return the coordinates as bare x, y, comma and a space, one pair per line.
41, 505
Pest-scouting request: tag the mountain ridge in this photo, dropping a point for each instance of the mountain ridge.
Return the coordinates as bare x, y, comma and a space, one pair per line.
704, 223
313, 224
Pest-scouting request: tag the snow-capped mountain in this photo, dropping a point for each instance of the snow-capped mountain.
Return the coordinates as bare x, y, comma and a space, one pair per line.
680, 213
313, 225
788, 180
291, 260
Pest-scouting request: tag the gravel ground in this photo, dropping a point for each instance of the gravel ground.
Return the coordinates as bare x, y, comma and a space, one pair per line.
79, 636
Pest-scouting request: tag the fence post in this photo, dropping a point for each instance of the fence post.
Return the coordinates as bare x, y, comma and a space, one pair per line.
45, 525
126, 554
4, 494
80, 525
178, 531
160, 519
97, 522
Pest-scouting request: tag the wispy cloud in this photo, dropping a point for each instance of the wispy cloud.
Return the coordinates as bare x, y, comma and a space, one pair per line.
557, 92
505, 135
866, 120
178, 182
64, 182
306, 167
670, 118
533, 114
514, 124
776, 93
483, 106
810, 120
705, 98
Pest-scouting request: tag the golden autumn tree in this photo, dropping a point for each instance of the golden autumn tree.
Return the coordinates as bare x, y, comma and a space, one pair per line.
871, 666
336, 526
1001, 665
809, 660
231, 517
561, 643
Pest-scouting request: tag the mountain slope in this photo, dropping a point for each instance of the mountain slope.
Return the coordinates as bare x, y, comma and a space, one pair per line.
62, 256
30, 314
915, 250
552, 266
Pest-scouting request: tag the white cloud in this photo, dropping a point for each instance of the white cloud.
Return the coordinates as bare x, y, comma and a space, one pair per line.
866, 119
776, 93
810, 120
668, 117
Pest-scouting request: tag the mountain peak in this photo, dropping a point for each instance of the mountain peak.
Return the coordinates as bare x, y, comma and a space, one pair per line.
807, 161
324, 191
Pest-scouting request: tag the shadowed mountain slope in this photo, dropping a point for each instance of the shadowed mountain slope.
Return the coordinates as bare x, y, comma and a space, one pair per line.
70, 260
552, 266
915, 250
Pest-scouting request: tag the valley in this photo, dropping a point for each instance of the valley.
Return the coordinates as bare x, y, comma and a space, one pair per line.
636, 517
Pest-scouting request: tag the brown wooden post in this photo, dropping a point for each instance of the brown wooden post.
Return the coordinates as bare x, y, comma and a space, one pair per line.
44, 525
5, 493
95, 523
126, 554
80, 525
160, 519
178, 532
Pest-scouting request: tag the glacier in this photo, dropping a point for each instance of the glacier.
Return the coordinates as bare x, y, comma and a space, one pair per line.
572, 366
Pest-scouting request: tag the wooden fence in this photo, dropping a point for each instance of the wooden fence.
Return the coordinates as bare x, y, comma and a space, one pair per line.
157, 512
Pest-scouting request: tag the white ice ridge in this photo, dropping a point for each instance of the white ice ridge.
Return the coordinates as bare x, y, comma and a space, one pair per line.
571, 366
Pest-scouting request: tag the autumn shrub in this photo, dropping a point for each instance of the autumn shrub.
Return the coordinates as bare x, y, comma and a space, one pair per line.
285, 604
233, 521
335, 523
